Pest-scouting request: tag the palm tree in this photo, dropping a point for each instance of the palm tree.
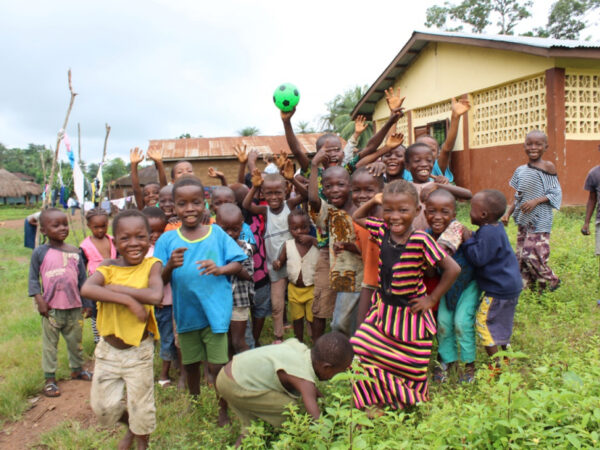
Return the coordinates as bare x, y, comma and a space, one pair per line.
304, 127
249, 131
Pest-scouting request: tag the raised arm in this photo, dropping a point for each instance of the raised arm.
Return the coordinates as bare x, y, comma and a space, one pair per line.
287, 170
362, 212
248, 204
156, 156
292, 140
314, 200
152, 295
459, 108
242, 156
393, 141
136, 156
213, 173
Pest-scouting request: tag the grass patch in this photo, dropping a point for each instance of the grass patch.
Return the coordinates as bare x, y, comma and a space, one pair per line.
14, 212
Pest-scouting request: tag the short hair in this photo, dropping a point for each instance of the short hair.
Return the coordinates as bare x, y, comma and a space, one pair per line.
240, 190
222, 190
365, 171
441, 192
274, 177
333, 348
152, 183
188, 181
401, 187
47, 212
427, 136
168, 188
175, 165
495, 202
229, 209
537, 132
95, 212
324, 137
298, 212
126, 214
412, 148
333, 171
152, 212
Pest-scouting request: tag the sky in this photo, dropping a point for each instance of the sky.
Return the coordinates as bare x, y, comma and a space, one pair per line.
155, 69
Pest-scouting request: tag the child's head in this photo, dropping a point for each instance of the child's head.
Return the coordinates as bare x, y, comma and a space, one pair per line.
157, 221
364, 186
331, 355
536, 144
430, 142
219, 196
188, 195
97, 222
418, 159
230, 218
132, 236
333, 148
440, 210
394, 161
54, 224
165, 200
240, 190
400, 207
336, 185
487, 207
150, 194
180, 169
299, 223
274, 188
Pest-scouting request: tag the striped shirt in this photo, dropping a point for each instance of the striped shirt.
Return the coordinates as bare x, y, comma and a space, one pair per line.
530, 183
408, 271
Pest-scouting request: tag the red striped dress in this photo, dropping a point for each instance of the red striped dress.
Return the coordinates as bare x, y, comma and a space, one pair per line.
393, 344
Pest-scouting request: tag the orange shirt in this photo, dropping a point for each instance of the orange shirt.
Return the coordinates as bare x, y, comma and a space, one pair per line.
369, 250
173, 226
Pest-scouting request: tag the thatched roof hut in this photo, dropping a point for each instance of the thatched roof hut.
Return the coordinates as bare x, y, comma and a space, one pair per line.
33, 188
11, 185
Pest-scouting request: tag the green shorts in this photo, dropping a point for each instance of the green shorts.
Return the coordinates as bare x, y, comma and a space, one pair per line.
203, 345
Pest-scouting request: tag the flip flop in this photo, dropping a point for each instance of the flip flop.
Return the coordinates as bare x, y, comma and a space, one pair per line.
51, 390
164, 383
82, 375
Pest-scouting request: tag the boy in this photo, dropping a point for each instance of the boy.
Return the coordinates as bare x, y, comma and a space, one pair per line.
345, 271
126, 288
496, 270
198, 261
229, 217
221, 195
592, 185
148, 195
58, 301
261, 383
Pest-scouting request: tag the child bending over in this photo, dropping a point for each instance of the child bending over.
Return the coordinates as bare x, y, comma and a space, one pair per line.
261, 383
126, 288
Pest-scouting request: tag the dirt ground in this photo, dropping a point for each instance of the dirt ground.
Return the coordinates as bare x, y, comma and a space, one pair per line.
12, 224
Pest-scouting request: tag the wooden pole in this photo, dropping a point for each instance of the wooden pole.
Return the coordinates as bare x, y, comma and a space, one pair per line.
79, 142
81, 211
103, 158
58, 139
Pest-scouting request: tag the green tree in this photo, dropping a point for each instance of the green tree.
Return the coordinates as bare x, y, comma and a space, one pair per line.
114, 169
338, 119
567, 18
249, 131
304, 128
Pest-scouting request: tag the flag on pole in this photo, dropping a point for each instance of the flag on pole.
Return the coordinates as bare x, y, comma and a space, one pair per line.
78, 178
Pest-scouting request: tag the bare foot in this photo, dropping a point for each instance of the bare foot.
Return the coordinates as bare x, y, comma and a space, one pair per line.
142, 442
181, 382
127, 440
223, 418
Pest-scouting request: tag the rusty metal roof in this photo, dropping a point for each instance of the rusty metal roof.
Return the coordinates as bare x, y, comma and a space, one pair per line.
222, 147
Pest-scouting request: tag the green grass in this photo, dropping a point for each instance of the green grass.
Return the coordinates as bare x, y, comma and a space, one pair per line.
14, 212
548, 397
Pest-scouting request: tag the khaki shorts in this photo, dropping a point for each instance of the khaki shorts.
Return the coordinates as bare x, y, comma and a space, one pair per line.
115, 370
240, 313
300, 302
324, 301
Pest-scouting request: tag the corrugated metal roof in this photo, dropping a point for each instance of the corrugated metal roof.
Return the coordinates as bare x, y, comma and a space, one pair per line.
222, 147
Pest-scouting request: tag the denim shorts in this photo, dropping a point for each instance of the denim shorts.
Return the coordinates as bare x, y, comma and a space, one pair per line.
261, 307
164, 318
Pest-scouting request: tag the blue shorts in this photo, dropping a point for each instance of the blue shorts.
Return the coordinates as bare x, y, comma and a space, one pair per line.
164, 318
261, 306
494, 320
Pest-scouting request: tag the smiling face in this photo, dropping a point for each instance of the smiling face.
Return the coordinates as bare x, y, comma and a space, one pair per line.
394, 162
333, 148
189, 205
98, 225
274, 193
420, 163
150, 194
439, 212
55, 226
132, 240
536, 145
157, 227
165, 201
181, 169
336, 186
399, 211
364, 188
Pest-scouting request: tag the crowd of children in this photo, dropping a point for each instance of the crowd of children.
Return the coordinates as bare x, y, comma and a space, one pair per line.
367, 238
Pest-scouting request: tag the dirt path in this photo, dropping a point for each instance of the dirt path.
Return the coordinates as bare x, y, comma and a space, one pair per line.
12, 224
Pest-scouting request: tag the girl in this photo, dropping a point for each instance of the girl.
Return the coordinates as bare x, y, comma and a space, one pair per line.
394, 342
96, 248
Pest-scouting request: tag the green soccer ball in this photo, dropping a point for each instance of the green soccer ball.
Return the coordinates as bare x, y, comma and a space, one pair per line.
286, 97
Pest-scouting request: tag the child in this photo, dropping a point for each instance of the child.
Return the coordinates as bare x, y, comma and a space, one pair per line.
148, 195
229, 217
592, 185
126, 289
496, 270
96, 248
275, 213
221, 195
197, 261
394, 342
261, 383
58, 301
165, 202
537, 192
300, 258
456, 313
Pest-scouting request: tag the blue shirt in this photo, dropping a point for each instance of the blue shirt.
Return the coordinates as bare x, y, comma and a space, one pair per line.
246, 234
496, 267
200, 300
436, 171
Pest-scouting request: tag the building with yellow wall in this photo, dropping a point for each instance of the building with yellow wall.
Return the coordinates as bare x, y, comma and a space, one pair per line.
514, 84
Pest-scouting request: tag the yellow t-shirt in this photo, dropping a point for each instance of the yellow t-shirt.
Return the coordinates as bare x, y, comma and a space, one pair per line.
118, 319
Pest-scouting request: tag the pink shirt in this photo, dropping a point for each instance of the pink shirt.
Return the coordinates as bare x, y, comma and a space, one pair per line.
60, 275
93, 255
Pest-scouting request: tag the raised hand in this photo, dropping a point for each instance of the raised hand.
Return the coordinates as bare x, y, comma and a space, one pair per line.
241, 153
257, 179
360, 124
378, 198
287, 170
136, 156
460, 107
154, 154
280, 160
213, 173
287, 116
320, 158
376, 168
393, 100
394, 140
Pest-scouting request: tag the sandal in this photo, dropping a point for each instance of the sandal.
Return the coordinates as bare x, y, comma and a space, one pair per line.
164, 383
82, 375
51, 390
440, 375
277, 342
